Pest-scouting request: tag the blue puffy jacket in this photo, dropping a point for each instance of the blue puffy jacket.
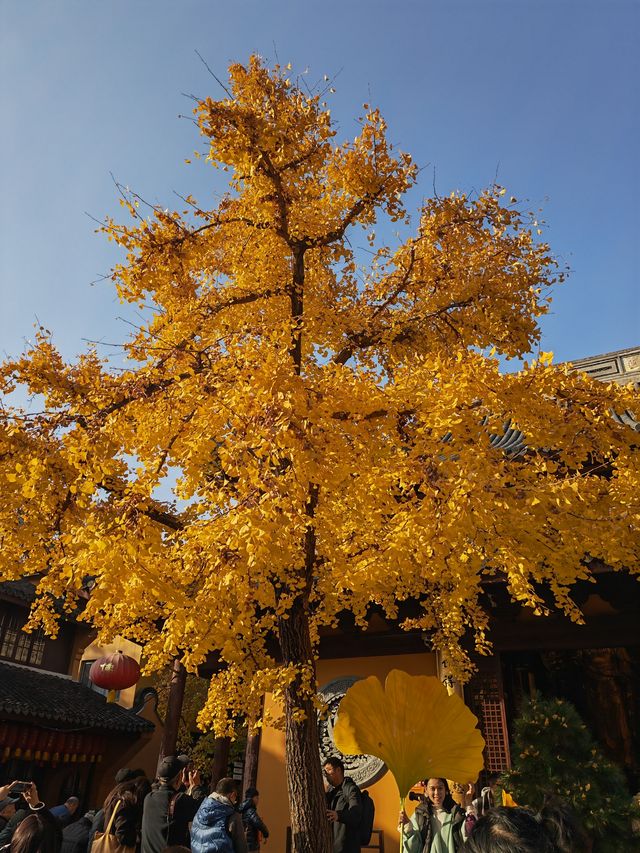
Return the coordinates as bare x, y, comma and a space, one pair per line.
209, 830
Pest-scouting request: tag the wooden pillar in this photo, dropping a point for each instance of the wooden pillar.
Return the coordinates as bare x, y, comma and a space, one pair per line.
251, 757
220, 763
174, 710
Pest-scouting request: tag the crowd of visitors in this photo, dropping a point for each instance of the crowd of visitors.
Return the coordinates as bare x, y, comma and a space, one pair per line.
176, 813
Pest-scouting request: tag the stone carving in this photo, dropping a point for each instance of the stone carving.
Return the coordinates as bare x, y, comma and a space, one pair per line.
363, 769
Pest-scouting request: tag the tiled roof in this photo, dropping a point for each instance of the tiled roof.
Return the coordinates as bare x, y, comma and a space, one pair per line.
21, 590
622, 367
54, 699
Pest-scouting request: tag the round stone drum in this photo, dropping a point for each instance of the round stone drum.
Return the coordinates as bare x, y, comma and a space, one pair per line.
363, 769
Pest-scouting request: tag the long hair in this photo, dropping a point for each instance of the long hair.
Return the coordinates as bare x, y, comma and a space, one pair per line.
131, 793
39, 832
509, 830
564, 826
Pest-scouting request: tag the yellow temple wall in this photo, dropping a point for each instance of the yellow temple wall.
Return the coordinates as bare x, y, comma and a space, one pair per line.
274, 806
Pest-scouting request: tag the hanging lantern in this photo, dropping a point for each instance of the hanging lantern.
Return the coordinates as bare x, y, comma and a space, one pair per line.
58, 746
49, 746
10, 738
114, 672
41, 745
30, 740
67, 745
83, 747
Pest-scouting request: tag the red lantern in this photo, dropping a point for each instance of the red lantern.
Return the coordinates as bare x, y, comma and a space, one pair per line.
76, 745
67, 746
83, 746
41, 744
114, 672
30, 740
49, 746
9, 740
58, 746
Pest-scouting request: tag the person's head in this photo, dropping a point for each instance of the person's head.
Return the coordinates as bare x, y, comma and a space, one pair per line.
509, 830
141, 787
8, 807
125, 774
252, 794
334, 770
492, 781
170, 770
228, 788
36, 835
438, 793
131, 793
72, 804
562, 824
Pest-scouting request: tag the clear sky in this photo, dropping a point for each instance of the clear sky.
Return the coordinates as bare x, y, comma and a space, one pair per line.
540, 94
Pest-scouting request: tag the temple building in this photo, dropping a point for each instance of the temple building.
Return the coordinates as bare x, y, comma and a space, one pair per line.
57, 729
596, 666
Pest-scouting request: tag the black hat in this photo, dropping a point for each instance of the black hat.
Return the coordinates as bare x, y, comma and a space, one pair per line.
124, 775
170, 766
9, 801
250, 793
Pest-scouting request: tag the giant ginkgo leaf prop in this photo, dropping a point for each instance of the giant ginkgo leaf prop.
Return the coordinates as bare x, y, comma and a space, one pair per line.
413, 725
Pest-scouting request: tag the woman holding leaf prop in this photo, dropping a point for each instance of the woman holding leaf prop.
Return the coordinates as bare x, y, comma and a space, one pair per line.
438, 823
415, 727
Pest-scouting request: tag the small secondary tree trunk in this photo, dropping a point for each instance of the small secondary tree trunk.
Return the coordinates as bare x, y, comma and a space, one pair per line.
220, 763
251, 758
310, 829
174, 709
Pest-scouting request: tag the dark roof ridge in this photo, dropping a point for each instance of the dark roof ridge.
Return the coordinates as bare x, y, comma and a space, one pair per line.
57, 698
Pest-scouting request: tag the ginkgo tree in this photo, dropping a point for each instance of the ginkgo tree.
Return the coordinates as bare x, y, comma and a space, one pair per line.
324, 427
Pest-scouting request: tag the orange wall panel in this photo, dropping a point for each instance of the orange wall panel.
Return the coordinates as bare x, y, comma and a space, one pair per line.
274, 805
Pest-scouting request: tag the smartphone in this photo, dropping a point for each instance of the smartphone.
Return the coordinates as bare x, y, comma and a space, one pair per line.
20, 787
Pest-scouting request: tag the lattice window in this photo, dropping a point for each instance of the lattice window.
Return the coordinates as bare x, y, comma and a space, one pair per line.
485, 698
18, 646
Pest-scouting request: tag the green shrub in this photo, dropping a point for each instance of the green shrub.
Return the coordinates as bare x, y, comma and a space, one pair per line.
553, 753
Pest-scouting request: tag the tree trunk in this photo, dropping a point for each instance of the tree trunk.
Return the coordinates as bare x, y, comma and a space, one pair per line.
310, 829
220, 763
174, 709
251, 758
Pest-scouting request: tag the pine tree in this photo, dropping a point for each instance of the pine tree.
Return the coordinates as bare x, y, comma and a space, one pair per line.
554, 754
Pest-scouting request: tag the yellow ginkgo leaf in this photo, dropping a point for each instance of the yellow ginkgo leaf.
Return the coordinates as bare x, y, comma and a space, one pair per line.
413, 725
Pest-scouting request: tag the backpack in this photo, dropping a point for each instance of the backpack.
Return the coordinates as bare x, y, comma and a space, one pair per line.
368, 811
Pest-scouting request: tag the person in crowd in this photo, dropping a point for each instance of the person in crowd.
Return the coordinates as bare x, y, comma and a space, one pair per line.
492, 795
20, 811
505, 829
127, 799
7, 808
489, 796
254, 826
65, 812
76, 836
167, 811
125, 774
564, 827
39, 831
344, 809
217, 827
438, 823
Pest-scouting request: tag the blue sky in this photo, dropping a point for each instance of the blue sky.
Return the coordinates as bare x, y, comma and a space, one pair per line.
541, 95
